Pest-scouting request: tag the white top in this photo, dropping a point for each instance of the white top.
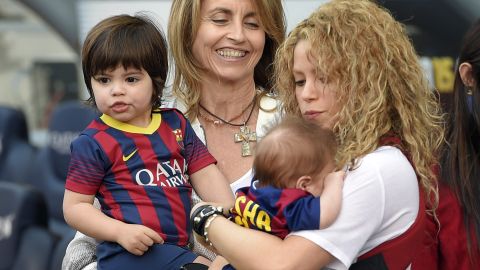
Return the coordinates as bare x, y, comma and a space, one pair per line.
243, 181
267, 115
380, 202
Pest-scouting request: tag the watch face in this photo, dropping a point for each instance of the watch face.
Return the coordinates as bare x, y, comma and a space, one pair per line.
208, 211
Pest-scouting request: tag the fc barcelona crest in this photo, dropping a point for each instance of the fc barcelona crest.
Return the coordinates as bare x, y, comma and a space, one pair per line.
178, 137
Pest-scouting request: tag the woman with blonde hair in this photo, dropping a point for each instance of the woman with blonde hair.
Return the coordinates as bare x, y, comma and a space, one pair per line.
223, 52
350, 67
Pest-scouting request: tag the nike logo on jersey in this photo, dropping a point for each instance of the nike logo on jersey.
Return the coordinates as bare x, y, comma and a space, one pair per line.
126, 158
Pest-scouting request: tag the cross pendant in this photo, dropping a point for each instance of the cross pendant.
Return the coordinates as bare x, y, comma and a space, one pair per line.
245, 136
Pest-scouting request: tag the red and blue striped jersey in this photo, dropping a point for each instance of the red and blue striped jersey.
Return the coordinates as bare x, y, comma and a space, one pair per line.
140, 175
276, 211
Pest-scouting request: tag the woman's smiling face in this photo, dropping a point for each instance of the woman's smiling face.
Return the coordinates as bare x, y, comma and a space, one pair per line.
230, 39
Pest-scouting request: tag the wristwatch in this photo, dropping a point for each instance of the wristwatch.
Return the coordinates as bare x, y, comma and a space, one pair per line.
200, 216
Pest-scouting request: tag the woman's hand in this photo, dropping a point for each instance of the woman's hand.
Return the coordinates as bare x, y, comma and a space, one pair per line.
201, 212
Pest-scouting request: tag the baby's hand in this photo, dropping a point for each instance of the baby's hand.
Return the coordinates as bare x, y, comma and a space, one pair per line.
136, 239
334, 178
331, 198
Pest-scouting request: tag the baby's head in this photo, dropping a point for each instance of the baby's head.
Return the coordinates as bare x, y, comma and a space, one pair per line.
128, 41
294, 149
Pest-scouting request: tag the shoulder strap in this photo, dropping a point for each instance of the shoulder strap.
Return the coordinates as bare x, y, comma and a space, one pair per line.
397, 253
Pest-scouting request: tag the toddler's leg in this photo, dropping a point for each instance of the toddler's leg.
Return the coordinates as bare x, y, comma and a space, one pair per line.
220, 263
159, 256
202, 260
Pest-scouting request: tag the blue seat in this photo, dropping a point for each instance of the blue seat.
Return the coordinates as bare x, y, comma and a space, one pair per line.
13, 123
59, 250
36, 247
25, 241
50, 167
16, 152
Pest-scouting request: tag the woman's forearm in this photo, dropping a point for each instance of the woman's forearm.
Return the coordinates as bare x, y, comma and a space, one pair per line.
252, 249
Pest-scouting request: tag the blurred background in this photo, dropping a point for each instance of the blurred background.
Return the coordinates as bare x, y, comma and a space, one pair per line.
41, 89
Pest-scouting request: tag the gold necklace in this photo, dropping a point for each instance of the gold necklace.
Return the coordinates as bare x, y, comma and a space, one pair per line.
244, 136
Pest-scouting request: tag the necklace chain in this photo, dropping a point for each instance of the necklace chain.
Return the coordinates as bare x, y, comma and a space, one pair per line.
244, 136
252, 104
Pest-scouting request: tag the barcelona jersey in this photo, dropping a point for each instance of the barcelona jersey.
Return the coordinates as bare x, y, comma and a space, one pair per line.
276, 211
140, 175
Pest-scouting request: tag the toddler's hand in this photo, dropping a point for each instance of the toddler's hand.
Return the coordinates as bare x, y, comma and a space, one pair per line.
136, 239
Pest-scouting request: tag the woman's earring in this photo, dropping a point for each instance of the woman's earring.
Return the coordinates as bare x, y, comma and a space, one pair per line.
469, 93
469, 90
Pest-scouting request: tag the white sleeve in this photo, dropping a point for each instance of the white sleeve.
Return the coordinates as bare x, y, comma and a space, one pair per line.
81, 251
369, 215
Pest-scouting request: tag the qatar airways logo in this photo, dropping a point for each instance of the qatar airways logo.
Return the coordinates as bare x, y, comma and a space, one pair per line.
167, 174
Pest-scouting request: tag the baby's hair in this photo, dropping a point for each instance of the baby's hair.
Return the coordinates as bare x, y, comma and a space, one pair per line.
291, 149
130, 41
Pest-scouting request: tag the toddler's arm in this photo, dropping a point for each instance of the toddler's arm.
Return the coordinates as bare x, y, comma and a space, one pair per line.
212, 186
81, 215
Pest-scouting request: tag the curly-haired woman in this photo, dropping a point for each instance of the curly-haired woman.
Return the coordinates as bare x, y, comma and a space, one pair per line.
350, 67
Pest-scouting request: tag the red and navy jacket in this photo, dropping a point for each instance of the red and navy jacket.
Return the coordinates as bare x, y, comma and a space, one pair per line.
276, 211
140, 175
446, 246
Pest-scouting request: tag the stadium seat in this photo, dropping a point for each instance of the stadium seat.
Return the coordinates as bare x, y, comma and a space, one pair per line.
13, 123
36, 248
16, 153
50, 167
59, 251
25, 241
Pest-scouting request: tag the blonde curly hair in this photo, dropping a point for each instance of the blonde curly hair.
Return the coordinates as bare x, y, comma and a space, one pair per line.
380, 84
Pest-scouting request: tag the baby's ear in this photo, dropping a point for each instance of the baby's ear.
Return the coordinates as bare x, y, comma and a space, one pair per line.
303, 182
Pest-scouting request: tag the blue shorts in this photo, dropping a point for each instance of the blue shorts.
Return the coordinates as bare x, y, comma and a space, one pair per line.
228, 267
112, 256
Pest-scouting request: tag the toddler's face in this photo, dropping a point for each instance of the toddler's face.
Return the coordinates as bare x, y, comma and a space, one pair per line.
124, 94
